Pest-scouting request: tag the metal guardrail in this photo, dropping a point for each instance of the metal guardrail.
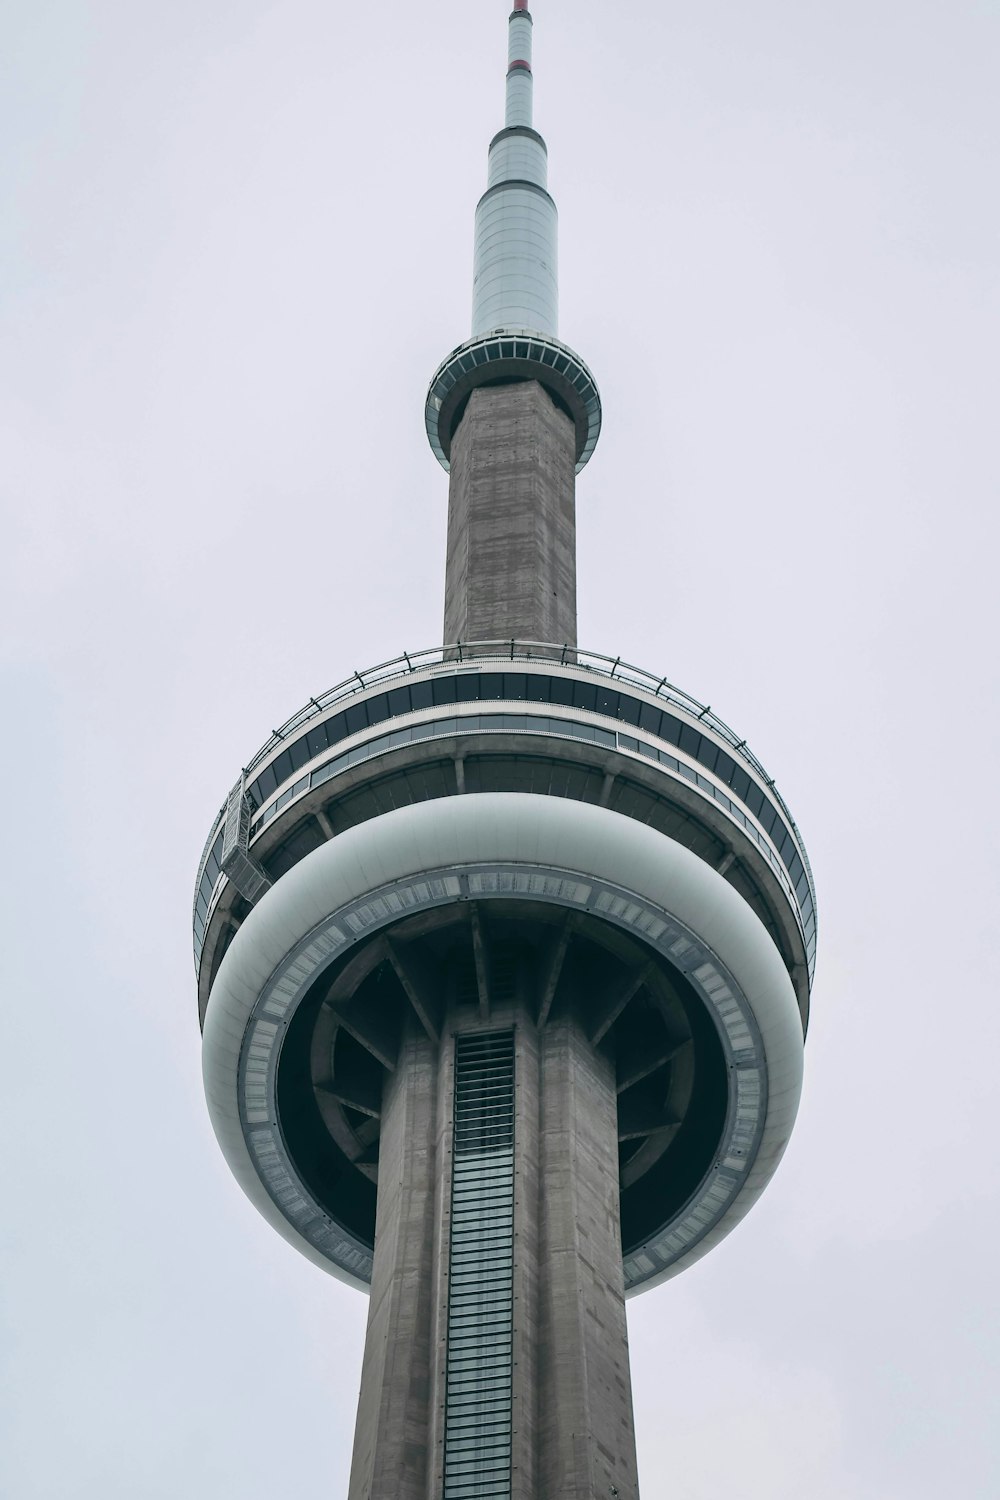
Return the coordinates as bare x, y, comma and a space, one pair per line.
613, 669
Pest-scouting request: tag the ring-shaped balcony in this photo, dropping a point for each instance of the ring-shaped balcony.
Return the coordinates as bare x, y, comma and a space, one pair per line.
496, 705
502, 357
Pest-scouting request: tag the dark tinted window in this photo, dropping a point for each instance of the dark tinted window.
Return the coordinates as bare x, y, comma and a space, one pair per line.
754, 799
628, 709
378, 708
607, 702
399, 701
422, 694
649, 718
513, 685
317, 740
491, 685
356, 717
283, 766
670, 729
265, 785
337, 728
299, 752
708, 753
444, 690
538, 689
468, 687
562, 690
740, 783
690, 740
725, 767
584, 695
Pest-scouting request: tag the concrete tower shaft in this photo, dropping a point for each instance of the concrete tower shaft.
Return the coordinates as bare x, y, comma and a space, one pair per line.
514, 436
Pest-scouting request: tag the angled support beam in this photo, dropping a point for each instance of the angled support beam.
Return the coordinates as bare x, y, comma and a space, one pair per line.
324, 823
460, 774
557, 958
726, 862
355, 1096
482, 963
355, 970
369, 1156
643, 1067
376, 1029
373, 1030
423, 987
607, 1015
606, 787
366, 1159
637, 1119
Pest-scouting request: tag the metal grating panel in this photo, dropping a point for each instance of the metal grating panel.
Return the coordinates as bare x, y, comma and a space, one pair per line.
241, 868
478, 1400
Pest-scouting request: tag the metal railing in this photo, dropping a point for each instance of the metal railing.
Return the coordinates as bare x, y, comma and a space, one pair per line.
593, 663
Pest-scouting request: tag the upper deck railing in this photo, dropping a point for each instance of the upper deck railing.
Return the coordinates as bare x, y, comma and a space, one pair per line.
595, 663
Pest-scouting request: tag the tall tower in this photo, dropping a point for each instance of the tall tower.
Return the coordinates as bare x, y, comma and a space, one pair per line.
504, 950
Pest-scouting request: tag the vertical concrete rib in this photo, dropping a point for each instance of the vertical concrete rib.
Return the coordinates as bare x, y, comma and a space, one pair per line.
511, 563
452, 1405
586, 1433
390, 1441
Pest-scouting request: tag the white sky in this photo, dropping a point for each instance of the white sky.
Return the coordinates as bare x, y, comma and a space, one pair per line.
236, 240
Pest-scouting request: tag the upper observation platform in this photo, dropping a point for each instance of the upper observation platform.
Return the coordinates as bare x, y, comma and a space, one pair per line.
517, 716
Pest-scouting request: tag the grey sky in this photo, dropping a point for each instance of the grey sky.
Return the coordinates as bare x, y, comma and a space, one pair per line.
236, 240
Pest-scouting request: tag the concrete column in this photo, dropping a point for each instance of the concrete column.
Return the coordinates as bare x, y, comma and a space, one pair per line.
586, 1426
391, 1437
511, 565
573, 1436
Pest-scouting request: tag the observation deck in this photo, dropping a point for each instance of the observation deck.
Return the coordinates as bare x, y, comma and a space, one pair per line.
524, 749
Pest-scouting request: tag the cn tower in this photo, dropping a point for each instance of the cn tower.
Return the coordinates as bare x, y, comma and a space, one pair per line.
504, 949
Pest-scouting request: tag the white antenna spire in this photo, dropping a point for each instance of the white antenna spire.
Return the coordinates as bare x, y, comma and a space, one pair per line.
515, 279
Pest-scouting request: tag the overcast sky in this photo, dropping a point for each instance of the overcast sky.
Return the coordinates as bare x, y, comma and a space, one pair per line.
236, 240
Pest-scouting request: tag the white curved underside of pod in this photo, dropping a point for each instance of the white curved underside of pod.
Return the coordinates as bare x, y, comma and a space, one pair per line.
506, 829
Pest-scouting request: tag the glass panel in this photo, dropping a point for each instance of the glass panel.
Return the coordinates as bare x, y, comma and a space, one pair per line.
356, 717
690, 741
725, 767
378, 708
